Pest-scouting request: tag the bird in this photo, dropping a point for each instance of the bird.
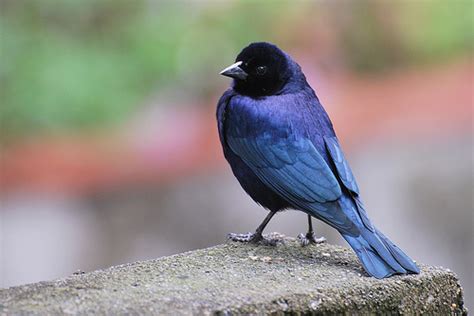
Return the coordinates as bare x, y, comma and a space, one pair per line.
282, 148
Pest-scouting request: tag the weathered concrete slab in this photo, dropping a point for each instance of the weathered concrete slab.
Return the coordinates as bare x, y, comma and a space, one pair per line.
238, 278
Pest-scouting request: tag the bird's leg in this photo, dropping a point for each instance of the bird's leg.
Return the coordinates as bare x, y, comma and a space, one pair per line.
310, 237
256, 237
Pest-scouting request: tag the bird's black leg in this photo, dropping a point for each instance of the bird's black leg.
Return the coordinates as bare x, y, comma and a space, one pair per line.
310, 237
256, 237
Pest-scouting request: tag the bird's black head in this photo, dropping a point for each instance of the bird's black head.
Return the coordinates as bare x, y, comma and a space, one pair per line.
260, 69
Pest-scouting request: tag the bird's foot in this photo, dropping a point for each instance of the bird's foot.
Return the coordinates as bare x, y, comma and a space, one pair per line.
254, 238
310, 238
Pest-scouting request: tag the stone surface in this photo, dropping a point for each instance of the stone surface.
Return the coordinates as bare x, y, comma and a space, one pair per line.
237, 278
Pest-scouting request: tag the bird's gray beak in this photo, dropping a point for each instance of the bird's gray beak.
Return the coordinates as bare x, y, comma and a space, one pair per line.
234, 71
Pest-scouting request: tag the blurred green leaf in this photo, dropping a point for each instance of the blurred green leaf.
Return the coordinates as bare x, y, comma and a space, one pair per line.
74, 64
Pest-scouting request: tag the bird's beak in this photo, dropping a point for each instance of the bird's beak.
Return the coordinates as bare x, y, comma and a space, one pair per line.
234, 71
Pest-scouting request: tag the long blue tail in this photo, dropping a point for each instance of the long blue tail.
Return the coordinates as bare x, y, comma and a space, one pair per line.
380, 257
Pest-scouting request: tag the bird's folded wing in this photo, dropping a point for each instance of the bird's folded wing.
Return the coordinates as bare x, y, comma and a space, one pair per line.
292, 168
344, 173
343, 169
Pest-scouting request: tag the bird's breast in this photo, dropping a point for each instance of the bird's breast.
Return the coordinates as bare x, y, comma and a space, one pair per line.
247, 117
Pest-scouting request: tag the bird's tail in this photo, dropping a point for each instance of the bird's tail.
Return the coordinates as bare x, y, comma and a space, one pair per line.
380, 257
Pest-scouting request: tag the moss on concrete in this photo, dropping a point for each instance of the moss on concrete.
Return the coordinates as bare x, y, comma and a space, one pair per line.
237, 278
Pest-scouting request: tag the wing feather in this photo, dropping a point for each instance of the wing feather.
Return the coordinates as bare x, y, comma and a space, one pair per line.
342, 166
294, 168
347, 177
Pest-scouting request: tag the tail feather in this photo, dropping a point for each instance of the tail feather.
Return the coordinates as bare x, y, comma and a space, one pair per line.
371, 261
379, 256
399, 255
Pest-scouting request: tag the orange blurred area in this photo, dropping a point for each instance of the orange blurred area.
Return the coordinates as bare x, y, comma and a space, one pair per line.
409, 105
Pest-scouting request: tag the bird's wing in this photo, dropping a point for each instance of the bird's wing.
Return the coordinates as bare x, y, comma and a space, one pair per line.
220, 113
344, 173
298, 173
292, 168
342, 166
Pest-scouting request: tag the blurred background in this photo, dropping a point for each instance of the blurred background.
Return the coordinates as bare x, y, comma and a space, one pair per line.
109, 147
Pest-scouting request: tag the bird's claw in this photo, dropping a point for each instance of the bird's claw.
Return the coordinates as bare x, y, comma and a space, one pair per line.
310, 238
253, 238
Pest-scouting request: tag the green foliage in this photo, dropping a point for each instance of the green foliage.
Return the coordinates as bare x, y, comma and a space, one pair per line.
446, 29
383, 35
77, 64
74, 64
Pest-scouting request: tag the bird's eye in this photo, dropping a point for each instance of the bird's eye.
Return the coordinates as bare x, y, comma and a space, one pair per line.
261, 70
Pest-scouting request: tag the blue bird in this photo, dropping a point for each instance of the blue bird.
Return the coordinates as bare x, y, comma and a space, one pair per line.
282, 148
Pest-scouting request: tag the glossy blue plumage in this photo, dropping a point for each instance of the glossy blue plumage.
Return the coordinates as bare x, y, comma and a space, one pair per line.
283, 150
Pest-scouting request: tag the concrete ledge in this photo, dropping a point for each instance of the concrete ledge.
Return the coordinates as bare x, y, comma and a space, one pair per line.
236, 278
